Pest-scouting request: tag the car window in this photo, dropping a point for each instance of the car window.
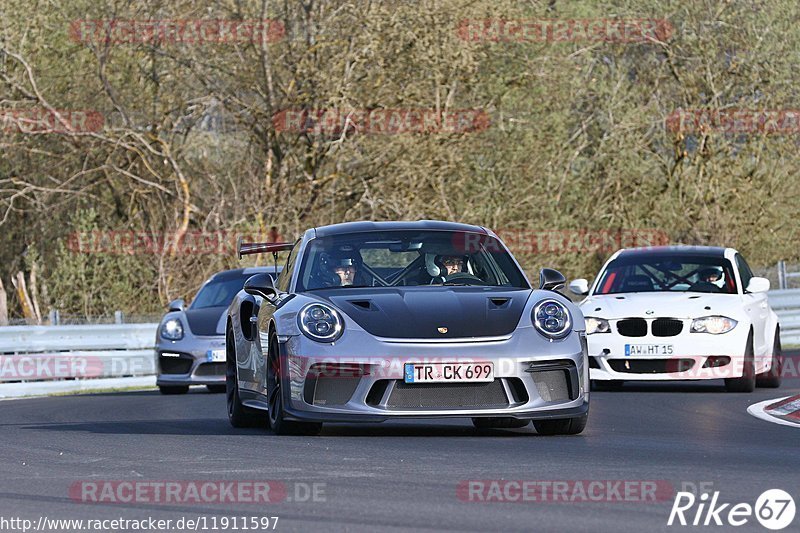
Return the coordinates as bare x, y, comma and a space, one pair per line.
667, 273
285, 277
744, 270
408, 258
218, 293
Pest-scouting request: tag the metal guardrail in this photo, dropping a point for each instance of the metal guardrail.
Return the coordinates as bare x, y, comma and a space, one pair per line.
46, 353
786, 304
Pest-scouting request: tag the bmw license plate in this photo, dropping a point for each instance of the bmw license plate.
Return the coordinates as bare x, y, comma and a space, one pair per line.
648, 349
448, 372
216, 356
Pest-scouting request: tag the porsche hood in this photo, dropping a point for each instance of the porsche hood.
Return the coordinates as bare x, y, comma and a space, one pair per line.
206, 322
431, 312
657, 304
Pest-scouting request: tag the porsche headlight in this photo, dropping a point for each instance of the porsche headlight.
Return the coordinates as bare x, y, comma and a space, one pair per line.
713, 324
552, 319
320, 322
597, 325
172, 330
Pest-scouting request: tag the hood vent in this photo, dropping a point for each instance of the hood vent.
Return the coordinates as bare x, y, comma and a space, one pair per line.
363, 304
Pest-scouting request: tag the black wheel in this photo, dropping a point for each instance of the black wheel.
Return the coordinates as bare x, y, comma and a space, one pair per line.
561, 426
277, 422
607, 385
771, 379
501, 422
746, 383
217, 389
239, 415
173, 389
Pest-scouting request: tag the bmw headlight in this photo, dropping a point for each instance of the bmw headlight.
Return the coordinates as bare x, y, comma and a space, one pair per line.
172, 330
552, 319
320, 322
713, 324
597, 325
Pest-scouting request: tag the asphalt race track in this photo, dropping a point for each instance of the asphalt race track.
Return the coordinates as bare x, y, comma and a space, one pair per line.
395, 476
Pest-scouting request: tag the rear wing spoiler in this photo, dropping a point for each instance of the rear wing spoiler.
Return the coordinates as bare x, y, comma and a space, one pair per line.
249, 248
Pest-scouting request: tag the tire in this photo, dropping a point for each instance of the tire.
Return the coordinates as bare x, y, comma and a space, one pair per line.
276, 417
561, 426
239, 415
499, 422
173, 389
217, 389
771, 379
746, 383
607, 385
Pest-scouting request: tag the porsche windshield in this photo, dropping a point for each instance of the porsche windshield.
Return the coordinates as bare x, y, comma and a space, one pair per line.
408, 258
218, 292
668, 273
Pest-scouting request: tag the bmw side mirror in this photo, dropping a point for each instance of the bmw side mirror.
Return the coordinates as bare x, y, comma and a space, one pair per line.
757, 285
551, 280
579, 286
261, 285
177, 305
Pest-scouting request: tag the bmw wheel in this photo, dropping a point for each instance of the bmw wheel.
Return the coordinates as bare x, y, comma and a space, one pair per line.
771, 379
746, 383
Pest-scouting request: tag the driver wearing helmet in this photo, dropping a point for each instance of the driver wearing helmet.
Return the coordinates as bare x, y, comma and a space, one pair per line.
707, 280
452, 263
710, 275
340, 268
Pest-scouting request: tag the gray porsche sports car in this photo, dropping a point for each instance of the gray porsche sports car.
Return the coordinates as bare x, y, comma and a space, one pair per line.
190, 342
372, 321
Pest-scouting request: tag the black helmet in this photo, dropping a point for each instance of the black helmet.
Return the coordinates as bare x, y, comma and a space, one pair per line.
340, 259
713, 272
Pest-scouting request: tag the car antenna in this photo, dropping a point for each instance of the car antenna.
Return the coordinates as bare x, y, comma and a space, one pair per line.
275, 259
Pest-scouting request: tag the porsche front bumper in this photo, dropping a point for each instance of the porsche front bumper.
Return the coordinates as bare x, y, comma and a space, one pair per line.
362, 380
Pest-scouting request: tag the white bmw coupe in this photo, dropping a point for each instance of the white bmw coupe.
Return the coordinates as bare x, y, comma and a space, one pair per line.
680, 313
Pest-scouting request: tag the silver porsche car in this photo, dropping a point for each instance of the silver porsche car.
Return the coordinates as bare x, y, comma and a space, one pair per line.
376, 321
190, 341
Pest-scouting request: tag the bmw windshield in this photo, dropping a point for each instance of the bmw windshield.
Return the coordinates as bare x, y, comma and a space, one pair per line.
668, 273
408, 258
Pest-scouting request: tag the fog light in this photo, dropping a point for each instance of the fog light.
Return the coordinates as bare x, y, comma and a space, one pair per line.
716, 361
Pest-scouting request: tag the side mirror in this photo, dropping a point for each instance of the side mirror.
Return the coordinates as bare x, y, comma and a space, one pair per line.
177, 305
261, 285
551, 280
758, 285
579, 286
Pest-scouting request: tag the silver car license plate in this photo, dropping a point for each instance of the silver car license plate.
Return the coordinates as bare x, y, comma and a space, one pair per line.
448, 372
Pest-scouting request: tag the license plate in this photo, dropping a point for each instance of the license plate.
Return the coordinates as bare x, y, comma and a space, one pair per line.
648, 349
216, 356
448, 372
